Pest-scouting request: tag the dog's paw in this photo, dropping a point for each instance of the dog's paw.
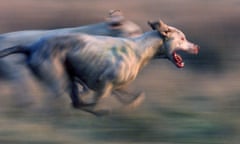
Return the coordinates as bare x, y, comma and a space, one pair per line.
137, 101
81, 105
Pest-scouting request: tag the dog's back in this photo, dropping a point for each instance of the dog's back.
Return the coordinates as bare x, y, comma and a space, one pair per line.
115, 25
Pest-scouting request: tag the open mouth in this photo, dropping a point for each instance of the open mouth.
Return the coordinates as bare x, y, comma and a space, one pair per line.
178, 60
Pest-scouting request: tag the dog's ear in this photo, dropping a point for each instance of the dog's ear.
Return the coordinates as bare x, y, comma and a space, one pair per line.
160, 26
163, 28
153, 24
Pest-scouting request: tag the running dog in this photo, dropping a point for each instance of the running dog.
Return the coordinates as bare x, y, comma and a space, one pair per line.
115, 25
100, 63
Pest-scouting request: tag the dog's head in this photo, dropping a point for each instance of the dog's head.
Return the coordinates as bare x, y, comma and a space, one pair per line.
173, 40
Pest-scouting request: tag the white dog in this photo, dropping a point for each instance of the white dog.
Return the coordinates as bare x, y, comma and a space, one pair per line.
115, 25
102, 64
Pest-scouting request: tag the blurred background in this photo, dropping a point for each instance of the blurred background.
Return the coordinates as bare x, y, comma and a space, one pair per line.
198, 104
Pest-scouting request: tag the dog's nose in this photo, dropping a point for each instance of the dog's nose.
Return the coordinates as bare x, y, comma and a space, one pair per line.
197, 48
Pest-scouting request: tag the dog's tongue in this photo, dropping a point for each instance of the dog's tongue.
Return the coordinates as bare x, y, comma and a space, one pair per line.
178, 60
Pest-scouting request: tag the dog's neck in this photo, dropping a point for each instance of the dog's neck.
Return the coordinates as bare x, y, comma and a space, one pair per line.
147, 46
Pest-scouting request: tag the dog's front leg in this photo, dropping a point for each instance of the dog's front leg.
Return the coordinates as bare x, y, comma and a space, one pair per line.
85, 90
128, 98
77, 102
100, 94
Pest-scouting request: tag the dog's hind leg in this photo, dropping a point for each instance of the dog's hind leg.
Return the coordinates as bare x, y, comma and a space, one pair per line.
50, 72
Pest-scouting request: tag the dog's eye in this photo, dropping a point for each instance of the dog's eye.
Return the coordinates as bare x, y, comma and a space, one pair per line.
182, 38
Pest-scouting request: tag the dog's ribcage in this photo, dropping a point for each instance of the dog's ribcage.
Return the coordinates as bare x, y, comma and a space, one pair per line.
112, 60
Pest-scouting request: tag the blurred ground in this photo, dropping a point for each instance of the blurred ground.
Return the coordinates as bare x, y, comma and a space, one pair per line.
197, 104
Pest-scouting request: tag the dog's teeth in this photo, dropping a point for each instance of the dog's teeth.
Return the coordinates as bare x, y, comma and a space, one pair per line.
182, 64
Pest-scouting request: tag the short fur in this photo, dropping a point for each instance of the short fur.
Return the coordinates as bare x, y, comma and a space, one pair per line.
102, 64
115, 25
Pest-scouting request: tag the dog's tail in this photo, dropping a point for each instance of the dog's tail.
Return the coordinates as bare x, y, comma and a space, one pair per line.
13, 50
